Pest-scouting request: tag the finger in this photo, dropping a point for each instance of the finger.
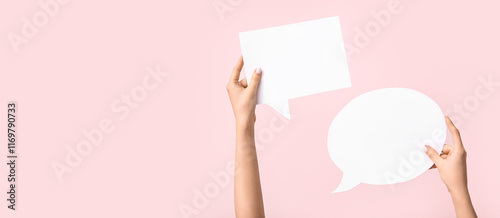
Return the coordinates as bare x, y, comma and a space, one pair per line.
457, 141
257, 74
235, 75
433, 155
444, 156
446, 149
244, 83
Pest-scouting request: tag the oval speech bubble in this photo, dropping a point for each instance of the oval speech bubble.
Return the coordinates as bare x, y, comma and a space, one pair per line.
380, 136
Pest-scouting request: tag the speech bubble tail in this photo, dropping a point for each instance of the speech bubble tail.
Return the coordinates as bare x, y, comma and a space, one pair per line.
282, 108
348, 182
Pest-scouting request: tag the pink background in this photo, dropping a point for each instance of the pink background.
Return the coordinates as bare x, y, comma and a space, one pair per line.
91, 52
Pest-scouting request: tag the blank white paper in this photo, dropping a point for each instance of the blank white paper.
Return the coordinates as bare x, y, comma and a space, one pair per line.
296, 60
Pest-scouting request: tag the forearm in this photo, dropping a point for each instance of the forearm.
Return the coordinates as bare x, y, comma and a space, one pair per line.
462, 203
247, 189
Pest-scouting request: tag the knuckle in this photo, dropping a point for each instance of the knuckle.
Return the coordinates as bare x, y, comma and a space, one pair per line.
461, 151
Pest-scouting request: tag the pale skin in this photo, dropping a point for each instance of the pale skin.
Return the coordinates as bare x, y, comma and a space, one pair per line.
452, 167
248, 200
247, 191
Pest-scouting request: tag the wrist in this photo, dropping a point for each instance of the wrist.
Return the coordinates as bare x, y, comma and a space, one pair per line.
458, 191
244, 129
245, 122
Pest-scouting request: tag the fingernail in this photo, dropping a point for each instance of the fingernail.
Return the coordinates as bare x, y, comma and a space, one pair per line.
258, 70
424, 149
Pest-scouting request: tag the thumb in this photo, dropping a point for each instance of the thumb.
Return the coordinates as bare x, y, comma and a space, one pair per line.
433, 155
257, 74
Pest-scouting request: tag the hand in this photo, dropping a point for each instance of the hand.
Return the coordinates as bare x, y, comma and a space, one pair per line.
243, 96
248, 200
451, 163
453, 171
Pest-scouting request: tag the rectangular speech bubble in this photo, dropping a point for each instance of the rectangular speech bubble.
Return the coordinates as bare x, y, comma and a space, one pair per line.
296, 60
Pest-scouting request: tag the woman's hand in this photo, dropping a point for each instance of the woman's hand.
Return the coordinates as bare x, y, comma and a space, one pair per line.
243, 96
248, 200
451, 163
453, 171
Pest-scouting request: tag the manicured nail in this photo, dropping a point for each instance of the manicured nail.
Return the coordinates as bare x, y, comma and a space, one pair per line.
258, 70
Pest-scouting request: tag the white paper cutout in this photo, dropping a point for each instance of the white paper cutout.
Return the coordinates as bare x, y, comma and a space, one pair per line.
296, 60
380, 136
